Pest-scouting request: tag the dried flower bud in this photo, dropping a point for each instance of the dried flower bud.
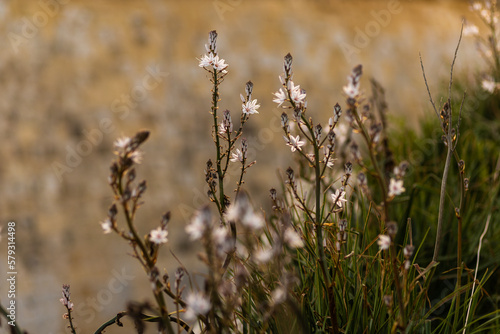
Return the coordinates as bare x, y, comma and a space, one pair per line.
317, 132
131, 175
337, 111
290, 174
408, 251
348, 168
112, 212
249, 89
362, 179
375, 131
297, 113
138, 139
355, 152
141, 188
331, 137
165, 219
466, 184
244, 148
287, 66
445, 140
392, 229
273, 194
342, 225
212, 41
227, 123
461, 166
284, 122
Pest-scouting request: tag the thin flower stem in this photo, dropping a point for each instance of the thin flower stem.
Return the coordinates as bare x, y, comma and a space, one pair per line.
73, 331
378, 174
399, 292
220, 174
149, 262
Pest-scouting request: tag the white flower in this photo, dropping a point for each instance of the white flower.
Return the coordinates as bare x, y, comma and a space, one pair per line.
158, 236
296, 94
214, 61
197, 304
242, 211
278, 296
396, 187
280, 97
351, 90
250, 107
206, 60
294, 142
136, 157
488, 85
199, 224
338, 198
263, 256
293, 239
384, 241
237, 155
477, 6
122, 143
219, 64
471, 30
107, 226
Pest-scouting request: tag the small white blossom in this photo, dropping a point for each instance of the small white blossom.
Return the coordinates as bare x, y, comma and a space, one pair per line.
488, 85
199, 224
293, 239
263, 256
136, 157
197, 304
296, 94
214, 61
107, 226
280, 97
219, 64
278, 296
158, 236
237, 155
206, 60
250, 107
339, 198
384, 241
396, 187
351, 90
294, 142
470, 30
122, 143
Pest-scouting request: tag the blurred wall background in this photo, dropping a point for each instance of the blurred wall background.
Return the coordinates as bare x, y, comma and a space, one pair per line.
75, 75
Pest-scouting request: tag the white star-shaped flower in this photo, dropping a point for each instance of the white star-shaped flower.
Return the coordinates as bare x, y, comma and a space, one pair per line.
296, 94
339, 198
351, 90
122, 143
488, 85
280, 97
197, 304
294, 142
396, 187
107, 226
237, 155
292, 238
207, 60
384, 241
219, 64
250, 107
158, 236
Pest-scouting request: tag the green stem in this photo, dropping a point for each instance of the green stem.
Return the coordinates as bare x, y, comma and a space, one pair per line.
220, 174
399, 292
